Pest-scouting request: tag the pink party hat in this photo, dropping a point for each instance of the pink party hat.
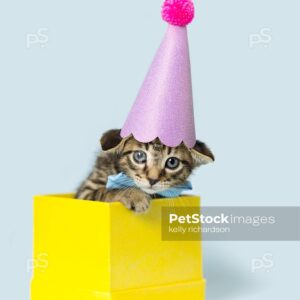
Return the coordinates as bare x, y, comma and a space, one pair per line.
164, 106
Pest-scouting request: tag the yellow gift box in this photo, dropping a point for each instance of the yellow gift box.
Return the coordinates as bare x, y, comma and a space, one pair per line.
86, 250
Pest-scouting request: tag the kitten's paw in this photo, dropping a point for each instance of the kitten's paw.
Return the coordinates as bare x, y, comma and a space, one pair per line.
140, 206
137, 201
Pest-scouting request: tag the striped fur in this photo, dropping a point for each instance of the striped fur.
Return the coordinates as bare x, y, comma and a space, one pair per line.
150, 176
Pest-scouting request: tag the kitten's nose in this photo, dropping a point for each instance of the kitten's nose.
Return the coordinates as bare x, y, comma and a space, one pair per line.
153, 181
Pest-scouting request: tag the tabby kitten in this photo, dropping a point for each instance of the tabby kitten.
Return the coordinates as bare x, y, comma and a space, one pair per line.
153, 166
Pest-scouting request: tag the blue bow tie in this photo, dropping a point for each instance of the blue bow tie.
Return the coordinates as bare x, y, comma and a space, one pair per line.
121, 180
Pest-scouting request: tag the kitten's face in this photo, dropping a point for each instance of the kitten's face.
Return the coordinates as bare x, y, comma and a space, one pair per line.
155, 167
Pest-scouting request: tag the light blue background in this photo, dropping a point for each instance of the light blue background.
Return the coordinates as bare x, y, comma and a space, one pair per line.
57, 98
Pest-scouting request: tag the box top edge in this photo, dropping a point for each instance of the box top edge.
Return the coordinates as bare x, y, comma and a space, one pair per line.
70, 196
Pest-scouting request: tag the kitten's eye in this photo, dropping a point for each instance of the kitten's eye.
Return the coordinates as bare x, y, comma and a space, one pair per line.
172, 163
140, 157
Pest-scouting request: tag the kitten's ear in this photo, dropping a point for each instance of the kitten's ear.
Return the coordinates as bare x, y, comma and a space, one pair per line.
201, 154
111, 139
